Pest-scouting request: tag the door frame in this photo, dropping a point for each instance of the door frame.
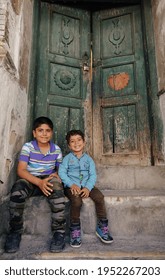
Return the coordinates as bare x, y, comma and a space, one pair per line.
155, 122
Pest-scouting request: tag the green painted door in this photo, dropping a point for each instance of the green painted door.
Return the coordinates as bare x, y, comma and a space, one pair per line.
99, 89
121, 125
64, 49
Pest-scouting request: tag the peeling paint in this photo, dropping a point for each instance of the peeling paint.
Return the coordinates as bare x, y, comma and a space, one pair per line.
13, 136
16, 5
14, 48
7, 165
160, 7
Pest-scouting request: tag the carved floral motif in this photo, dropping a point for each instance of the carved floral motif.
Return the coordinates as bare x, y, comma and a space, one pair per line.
67, 35
65, 79
117, 36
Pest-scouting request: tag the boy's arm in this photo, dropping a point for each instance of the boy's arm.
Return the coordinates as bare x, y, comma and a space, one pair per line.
62, 172
92, 176
57, 164
59, 157
25, 174
43, 184
91, 181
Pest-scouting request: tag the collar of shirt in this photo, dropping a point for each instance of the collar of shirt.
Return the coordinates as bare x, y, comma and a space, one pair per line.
76, 156
35, 145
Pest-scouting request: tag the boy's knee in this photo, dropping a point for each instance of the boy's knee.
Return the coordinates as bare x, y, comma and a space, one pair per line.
98, 197
101, 196
77, 202
19, 185
19, 191
56, 184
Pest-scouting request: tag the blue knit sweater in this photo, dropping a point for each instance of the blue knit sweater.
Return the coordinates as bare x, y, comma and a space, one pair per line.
80, 171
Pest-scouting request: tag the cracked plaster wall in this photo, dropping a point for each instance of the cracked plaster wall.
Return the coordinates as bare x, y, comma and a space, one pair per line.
158, 9
15, 48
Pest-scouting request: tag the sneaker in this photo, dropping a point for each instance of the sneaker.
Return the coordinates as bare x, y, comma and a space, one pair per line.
12, 242
58, 242
75, 235
102, 231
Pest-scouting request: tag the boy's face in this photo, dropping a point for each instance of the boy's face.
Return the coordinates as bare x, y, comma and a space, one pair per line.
43, 134
76, 144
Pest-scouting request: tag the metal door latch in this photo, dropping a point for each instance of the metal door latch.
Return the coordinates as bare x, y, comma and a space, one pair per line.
85, 67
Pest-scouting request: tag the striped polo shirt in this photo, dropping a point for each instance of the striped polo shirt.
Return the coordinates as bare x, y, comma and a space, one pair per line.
39, 164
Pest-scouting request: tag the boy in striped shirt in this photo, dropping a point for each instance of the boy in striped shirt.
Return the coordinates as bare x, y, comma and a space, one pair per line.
37, 168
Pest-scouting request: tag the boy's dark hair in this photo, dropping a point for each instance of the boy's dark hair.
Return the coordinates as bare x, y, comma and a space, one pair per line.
42, 120
74, 132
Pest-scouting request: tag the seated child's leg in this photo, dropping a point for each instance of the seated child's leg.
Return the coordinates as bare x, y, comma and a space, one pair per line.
19, 192
98, 198
57, 205
75, 206
75, 227
102, 225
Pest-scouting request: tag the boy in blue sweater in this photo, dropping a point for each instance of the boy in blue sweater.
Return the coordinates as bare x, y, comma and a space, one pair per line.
78, 173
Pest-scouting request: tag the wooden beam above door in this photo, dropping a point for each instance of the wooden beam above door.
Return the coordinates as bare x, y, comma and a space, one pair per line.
63, 2
104, 1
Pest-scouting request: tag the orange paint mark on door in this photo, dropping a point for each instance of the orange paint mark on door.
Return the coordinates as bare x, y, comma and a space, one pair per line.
118, 81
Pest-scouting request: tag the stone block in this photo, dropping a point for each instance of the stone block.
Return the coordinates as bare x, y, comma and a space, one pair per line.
131, 177
129, 216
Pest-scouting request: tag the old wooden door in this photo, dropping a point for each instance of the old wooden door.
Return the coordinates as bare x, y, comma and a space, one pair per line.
64, 50
113, 112
121, 127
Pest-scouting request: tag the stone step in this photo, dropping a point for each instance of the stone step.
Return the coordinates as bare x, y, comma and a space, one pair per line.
37, 248
136, 222
131, 177
135, 203
130, 213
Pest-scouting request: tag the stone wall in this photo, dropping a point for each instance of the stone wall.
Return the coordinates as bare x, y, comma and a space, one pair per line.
15, 45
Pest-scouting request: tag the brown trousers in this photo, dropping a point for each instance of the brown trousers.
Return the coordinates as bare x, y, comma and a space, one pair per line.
76, 203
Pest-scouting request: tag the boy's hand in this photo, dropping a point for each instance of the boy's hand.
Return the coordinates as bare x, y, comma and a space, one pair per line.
75, 190
45, 186
85, 193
